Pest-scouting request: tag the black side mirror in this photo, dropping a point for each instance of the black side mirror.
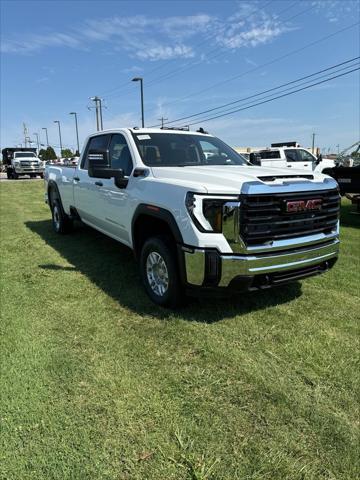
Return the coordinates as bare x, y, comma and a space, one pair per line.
319, 159
98, 168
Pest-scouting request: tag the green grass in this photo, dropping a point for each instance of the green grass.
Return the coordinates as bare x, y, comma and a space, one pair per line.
98, 383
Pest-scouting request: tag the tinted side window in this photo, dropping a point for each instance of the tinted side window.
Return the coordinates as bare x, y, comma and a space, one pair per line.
305, 156
120, 156
291, 155
269, 154
95, 143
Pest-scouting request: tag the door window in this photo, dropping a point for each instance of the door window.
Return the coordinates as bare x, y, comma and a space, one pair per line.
100, 142
305, 156
120, 156
291, 155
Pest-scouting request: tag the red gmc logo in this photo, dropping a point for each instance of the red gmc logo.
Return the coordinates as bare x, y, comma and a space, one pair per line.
303, 205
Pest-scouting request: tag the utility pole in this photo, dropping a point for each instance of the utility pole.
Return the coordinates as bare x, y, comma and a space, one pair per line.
47, 139
57, 121
77, 131
37, 140
313, 143
162, 119
98, 108
338, 148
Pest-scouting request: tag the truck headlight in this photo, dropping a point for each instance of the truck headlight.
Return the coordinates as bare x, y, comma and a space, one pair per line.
208, 212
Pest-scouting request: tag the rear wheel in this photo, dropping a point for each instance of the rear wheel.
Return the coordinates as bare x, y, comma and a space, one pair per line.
62, 224
159, 272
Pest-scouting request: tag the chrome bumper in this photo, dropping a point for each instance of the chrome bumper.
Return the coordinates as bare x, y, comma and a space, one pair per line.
232, 266
27, 170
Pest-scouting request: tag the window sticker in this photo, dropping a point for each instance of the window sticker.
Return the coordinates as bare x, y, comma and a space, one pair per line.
143, 137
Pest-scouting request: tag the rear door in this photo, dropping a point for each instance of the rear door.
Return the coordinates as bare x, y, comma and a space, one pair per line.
86, 189
272, 158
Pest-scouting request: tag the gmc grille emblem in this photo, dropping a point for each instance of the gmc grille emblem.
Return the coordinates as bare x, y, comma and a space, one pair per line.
295, 206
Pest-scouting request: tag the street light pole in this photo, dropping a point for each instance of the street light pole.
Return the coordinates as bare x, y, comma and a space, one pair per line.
77, 131
57, 121
38, 141
47, 139
141, 80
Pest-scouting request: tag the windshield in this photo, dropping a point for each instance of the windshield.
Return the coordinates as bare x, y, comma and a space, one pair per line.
24, 154
176, 149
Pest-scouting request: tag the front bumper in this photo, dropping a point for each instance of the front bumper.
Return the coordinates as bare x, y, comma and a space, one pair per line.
28, 170
208, 268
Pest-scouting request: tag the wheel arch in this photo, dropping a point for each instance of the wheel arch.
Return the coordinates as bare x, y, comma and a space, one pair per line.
149, 220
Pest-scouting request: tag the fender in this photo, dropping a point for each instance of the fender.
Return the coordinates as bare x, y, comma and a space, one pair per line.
160, 213
53, 185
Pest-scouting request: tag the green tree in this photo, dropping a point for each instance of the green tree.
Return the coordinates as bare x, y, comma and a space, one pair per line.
50, 154
66, 153
42, 154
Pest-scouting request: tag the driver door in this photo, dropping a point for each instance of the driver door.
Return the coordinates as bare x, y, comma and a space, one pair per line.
113, 200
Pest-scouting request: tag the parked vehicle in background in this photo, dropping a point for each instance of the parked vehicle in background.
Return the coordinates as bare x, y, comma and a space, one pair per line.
22, 161
72, 161
293, 158
198, 216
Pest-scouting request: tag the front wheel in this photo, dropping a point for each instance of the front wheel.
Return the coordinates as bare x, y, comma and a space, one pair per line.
159, 272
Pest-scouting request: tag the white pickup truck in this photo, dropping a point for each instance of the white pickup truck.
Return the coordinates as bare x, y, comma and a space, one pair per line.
19, 161
197, 223
293, 157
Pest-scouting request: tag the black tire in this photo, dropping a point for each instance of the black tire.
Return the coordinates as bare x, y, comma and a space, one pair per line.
14, 176
41, 175
61, 222
160, 248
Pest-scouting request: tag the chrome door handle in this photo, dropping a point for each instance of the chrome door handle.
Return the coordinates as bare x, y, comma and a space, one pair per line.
99, 184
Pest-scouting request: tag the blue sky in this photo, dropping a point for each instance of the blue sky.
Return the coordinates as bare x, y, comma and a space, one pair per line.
56, 54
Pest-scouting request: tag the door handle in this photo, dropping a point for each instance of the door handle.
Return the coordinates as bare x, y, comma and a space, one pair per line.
306, 164
76, 179
289, 166
99, 184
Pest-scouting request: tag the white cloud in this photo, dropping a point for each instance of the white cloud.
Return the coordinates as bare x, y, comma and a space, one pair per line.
336, 10
156, 38
161, 52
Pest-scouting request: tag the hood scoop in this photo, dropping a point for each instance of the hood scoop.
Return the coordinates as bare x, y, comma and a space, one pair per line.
273, 178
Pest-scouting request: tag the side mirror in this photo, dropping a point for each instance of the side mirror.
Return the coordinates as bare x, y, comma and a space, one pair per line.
98, 168
255, 159
319, 159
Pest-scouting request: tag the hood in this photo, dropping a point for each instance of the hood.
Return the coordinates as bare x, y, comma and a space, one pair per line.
230, 178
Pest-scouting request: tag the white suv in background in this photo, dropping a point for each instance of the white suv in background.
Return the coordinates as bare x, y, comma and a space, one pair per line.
294, 158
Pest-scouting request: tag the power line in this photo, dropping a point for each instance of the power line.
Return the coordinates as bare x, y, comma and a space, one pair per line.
272, 99
230, 79
260, 93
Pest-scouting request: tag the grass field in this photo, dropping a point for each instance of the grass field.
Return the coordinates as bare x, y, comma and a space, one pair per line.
97, 383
